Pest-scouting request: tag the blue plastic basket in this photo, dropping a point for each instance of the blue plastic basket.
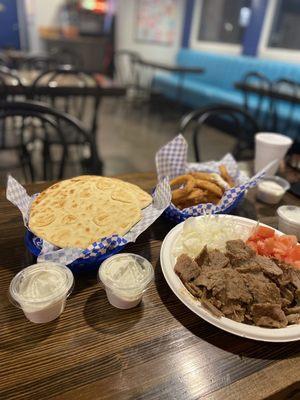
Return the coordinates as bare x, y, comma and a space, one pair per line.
34, 245
177, 217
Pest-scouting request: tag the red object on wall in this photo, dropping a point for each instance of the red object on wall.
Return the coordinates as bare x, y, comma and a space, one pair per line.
96, 6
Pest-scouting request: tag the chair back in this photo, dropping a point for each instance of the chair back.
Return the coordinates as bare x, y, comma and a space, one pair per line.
260, 105
8, 77
65, 56
127, 68
4, 62
42, 122
237, 121
285, 108
37, 63
83, 107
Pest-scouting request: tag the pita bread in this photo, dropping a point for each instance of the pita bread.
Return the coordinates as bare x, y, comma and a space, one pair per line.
80, 211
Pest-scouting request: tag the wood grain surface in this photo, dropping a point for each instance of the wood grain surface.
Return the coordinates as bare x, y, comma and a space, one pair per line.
159, 350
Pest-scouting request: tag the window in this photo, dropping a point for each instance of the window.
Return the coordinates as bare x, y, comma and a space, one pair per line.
285, 28
224, 21
218, 25
281, 31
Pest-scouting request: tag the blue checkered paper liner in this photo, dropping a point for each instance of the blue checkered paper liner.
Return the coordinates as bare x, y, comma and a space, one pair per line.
17, 195
171, 161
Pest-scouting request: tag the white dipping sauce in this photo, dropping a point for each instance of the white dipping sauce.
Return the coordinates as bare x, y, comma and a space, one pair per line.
292, 213
271, 190
125, 277
271, 187
41, 290
289, 220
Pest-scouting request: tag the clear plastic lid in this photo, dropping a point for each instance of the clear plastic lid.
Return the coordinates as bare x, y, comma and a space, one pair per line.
290, 214
41, 283
126, 271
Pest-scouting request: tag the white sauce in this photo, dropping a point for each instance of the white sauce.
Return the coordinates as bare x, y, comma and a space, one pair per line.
125, 273
270, 192
41, 285
271, 187
41, 291
292, 214
289, 220
125, 278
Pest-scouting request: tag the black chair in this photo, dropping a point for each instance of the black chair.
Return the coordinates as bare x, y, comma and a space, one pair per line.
128, 71
234, 119
12, 139
40, 123
4, 60
83, 107
38, 62
291, 88
8, 76
65, 56
262, 107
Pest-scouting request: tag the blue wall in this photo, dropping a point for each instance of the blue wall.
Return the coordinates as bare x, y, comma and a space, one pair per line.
252, 33
9, 25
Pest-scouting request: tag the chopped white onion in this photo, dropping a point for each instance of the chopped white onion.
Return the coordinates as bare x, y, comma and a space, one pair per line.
209, 230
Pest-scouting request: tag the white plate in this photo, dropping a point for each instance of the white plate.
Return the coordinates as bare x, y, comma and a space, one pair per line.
288, 334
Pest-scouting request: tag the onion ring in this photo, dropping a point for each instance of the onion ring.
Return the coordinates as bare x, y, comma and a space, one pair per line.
210, 187
194, 198
188, 181
225, 175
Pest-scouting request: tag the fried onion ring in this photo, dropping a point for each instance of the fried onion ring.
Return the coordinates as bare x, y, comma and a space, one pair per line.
225, 175
210, 187
205, 176
188, 181
194, 198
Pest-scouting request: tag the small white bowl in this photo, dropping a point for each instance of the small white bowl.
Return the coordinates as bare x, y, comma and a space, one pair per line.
286, 222
270, 196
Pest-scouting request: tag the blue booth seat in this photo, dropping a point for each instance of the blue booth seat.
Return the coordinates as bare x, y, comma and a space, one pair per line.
216, 84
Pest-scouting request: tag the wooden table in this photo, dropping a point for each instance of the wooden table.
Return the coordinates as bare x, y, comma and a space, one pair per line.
159, 350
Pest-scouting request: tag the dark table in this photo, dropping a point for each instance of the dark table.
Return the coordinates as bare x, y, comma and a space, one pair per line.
275, 94
179, 69
106, 87
159, 350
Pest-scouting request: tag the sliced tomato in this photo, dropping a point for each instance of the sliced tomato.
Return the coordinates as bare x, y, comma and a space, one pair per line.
294, 253
296, 264
261, 247
264, 232
266, 243
289, 241
269, 246
252, 244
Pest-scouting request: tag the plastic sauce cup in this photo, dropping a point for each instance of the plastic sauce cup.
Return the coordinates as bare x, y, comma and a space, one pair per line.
41, 290
289, 220
125, 278
268, 194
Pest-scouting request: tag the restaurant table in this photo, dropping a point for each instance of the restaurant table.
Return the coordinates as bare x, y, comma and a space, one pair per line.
158, 350
179, 69
66, 88
285, 95
106, 88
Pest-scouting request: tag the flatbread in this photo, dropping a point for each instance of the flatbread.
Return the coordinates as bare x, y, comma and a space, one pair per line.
79, 211
144, 198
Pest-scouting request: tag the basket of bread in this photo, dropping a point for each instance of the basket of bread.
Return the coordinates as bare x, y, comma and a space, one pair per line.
214, 187
83, 220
